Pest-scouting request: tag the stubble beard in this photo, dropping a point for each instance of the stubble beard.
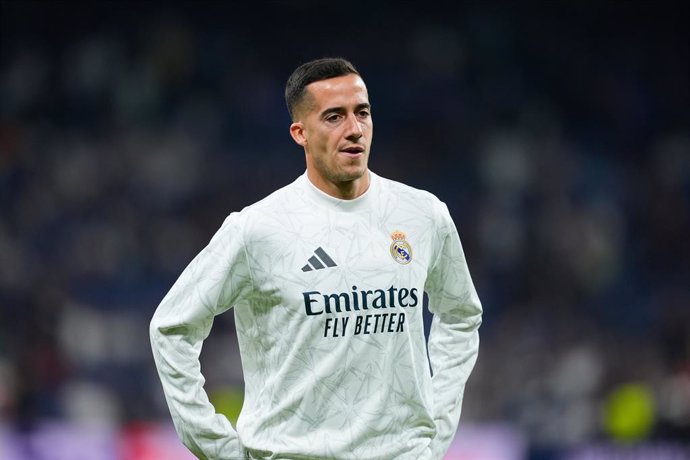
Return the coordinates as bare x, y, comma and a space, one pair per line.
342, 174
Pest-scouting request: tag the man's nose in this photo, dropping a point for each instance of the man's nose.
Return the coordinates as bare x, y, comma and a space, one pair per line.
354, 128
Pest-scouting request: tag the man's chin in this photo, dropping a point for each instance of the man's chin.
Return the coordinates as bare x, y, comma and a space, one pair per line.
351, 175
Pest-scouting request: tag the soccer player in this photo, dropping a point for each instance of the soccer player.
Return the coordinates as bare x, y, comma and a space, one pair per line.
327, 277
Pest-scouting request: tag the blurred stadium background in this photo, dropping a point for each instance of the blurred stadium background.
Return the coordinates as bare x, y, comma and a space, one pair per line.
557, 132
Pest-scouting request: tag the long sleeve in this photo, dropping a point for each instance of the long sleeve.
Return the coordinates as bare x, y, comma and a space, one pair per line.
216, 279
454, 337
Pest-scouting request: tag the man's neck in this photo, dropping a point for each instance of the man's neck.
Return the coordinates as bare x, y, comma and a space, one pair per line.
347, 190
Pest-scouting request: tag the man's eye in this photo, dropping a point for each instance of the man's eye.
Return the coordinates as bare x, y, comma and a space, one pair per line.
333, 118
364, 113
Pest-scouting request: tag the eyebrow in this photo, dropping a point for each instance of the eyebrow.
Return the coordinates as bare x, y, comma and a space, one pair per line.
364, 105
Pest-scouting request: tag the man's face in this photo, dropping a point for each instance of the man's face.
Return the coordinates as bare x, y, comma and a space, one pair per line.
335, 128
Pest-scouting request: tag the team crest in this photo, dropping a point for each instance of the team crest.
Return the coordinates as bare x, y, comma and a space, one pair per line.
400, 249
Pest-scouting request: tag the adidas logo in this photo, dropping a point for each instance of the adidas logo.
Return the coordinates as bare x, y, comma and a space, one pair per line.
318, 261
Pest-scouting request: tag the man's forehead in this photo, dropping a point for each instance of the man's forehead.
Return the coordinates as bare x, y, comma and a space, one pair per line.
339, 87
344, 91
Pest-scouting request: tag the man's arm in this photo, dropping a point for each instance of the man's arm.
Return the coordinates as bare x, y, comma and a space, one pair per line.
216, 279
454, 338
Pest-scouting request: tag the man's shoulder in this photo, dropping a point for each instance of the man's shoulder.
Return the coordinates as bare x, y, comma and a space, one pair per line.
280, 199
408, 193
271, 211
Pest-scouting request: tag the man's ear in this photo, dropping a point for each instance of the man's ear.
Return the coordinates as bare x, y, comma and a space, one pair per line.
297, 133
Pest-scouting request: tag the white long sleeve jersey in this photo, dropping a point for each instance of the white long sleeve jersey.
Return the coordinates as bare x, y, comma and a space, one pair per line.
327, 296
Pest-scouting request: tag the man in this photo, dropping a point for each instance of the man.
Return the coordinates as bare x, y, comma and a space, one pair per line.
326, 277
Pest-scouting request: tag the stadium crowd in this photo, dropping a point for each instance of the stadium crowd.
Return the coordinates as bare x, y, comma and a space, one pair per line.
558, 136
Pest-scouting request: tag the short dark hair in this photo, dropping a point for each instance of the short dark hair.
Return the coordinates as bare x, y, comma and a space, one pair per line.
309, 72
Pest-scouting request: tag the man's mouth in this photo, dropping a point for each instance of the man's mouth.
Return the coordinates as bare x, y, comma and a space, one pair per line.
353, 150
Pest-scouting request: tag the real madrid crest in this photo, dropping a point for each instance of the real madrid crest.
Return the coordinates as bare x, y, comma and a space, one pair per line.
400, 249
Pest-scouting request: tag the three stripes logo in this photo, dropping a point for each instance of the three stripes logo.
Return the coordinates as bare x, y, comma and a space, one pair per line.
319, 261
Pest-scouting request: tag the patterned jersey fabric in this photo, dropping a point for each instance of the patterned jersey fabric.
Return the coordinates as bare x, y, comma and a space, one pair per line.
327, 297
